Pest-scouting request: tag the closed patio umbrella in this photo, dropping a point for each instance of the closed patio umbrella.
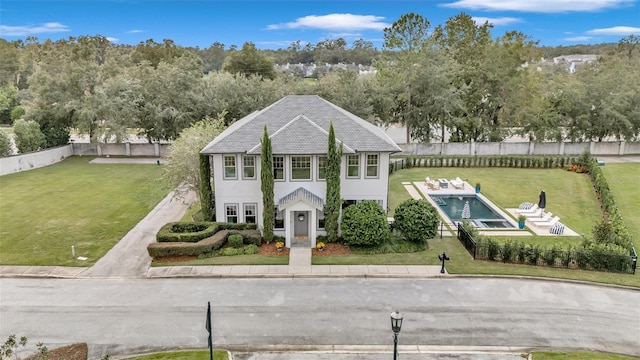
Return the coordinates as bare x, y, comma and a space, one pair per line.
542, 202
466, 211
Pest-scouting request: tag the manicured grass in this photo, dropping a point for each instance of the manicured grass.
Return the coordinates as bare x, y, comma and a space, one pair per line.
184, 355
253, 259
623, 180
462, 263
569, 195
73, 203
543, 355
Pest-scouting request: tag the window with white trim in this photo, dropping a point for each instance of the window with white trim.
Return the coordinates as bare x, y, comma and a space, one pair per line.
231, 210
248, 167
278, 168
322, 167
320, 216
250, 211
230, 167
301, 168
353, 166
278, 219
372, 165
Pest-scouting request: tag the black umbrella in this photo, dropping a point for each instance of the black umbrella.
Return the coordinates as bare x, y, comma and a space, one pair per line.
542, 203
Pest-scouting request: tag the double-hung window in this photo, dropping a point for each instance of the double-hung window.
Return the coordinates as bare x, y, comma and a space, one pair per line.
301, 168
250, 211
231, 212
278, 168
372, 166
248, 167
322, 167
278, 219
230, 167
353, 166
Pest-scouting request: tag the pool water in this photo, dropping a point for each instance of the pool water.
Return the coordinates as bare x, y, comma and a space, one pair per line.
482, 215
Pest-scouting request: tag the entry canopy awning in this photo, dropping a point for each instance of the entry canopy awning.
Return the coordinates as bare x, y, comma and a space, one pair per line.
301, 194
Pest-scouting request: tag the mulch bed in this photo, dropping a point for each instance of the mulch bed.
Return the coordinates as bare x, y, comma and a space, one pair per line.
269, 249
69, 352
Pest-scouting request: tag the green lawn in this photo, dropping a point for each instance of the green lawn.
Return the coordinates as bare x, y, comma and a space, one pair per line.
569, 195
45, 211
544, 355
623, 180
184, 355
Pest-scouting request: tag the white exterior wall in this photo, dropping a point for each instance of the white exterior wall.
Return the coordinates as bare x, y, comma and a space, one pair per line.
364, 188
241, 191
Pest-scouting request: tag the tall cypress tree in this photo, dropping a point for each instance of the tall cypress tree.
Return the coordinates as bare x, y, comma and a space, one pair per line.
266, 177
333, 199
207, 200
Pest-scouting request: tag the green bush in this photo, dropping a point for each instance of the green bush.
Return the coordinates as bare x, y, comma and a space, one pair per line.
231, 251
249, 236
5, 144
416, 220
164, 249
186, 231
364, 224
235, 240
251, 249
236, 226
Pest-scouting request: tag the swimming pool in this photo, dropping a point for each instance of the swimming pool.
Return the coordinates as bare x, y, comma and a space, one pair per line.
481, 214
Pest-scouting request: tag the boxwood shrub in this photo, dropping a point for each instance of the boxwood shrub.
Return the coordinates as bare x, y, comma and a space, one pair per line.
186, 231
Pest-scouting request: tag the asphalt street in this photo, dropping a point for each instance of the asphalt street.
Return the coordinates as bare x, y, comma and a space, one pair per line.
125, 316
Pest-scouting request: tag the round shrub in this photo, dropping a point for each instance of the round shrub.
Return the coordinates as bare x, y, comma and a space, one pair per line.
364, 224
416, 220
235, 240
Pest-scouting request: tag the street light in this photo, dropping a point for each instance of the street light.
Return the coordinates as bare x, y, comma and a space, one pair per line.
396, 325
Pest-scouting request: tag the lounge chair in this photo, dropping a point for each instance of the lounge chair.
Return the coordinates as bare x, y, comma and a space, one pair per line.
557, 229
545, 218
548, 223
534, 209
457, 183
431, 184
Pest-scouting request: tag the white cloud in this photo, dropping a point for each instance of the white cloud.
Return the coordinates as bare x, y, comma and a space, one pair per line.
334, 22
344, 35
280, 43
538, 6
112, 39
52, 27
616, 30
134, 31
480, 20
578, 38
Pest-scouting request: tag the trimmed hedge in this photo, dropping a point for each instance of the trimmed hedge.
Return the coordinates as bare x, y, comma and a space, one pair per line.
511, 161
186, 231
209, 244
196, 238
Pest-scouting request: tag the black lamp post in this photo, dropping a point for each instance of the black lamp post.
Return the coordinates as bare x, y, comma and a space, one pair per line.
396, 325
442, 258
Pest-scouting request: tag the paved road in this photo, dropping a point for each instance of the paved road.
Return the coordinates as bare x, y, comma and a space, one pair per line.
122, 316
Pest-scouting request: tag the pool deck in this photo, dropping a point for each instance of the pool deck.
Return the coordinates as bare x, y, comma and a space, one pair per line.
509, 214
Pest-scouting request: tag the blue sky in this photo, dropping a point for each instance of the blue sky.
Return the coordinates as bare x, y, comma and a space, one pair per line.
275, 24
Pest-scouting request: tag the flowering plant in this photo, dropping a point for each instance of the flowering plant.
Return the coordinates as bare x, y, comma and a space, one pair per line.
279, 245
320, 245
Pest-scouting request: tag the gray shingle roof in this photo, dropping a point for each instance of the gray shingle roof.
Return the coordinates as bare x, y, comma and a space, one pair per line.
300, 194
299, 124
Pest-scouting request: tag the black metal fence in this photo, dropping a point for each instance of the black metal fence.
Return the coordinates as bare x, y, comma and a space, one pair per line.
518, 253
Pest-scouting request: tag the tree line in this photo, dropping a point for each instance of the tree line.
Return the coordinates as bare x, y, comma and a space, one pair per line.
456, 76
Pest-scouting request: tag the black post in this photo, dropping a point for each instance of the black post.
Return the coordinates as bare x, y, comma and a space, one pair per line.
442, 258
395, 346
441, 225
208, 327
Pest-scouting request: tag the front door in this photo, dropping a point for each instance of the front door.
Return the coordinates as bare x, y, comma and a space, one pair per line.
301, 226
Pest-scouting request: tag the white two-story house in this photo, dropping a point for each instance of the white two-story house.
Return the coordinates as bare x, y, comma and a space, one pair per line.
298, 126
